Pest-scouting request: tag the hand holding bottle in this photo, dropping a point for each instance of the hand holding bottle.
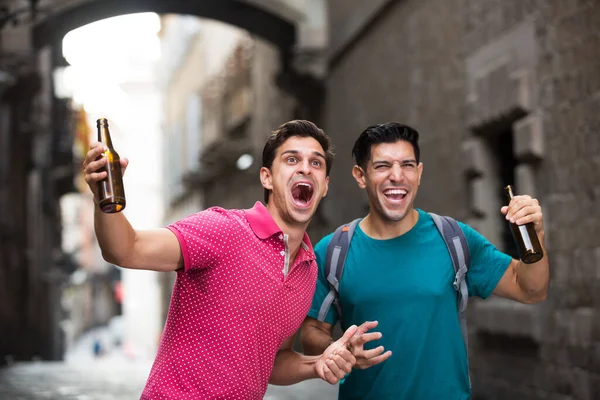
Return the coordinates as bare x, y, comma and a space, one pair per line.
93, 165
103, 171
526, 223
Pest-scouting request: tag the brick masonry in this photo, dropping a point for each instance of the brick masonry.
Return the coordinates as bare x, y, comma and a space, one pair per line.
413, 64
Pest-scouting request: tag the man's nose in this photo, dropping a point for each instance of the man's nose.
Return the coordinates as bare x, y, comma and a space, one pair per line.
304, 167
396, 173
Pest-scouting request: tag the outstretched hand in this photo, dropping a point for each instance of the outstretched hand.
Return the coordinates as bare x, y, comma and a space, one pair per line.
367, 358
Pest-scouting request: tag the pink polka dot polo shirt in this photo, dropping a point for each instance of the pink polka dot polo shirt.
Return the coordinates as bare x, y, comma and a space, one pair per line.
233, 305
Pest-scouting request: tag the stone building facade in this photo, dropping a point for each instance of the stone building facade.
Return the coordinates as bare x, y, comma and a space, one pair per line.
35, 149
502, 92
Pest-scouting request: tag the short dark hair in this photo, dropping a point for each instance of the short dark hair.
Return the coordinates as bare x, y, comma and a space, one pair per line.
390, 132
300, 128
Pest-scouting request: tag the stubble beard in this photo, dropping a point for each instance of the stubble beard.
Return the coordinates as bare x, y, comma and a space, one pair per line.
289, 214
385, 214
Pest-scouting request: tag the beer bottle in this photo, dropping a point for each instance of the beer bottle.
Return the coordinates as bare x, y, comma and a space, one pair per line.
526, 239
111, 194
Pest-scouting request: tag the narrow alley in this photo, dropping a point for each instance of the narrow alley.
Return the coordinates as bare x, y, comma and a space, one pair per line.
110, 376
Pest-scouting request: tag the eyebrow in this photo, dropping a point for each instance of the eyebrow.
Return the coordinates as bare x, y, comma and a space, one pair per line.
412, 160
295, 152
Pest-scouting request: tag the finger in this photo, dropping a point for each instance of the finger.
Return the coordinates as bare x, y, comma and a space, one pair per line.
366, 326
504, 209
345, 355
92, 155
335, 369
345, 339
368, 354
367, 337
523, 212
344, 364
94, 166
124, 164
536, 219
517, 203
379, 359
97, 148
329, 376
96, 144
522, 197
95, 177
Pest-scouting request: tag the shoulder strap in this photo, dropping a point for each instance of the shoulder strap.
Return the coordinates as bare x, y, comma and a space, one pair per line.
334, 266
457, 245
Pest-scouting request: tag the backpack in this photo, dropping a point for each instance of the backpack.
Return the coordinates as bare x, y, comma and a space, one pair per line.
455, 241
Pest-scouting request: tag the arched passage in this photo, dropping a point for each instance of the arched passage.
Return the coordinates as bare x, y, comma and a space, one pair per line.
256, 20
295, 27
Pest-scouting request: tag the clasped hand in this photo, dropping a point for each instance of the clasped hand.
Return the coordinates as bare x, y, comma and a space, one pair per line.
348, 352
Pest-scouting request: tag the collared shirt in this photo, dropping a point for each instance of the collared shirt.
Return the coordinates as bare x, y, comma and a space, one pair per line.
232, 306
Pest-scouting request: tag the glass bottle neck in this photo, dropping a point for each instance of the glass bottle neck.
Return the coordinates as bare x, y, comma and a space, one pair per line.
104, 136
509, 193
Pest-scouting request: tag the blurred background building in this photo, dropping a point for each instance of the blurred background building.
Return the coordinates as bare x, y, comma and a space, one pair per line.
501, 92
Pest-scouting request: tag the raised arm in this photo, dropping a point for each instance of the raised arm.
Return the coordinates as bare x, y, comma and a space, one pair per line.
525, 283
156, 250
316, 336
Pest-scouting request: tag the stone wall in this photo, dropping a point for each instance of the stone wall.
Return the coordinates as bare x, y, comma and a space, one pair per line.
463, 72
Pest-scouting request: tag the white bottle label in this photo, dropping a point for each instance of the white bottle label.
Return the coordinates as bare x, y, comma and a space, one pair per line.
525, 236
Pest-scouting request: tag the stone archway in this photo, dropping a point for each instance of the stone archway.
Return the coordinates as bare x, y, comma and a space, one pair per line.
29, 50
296, 27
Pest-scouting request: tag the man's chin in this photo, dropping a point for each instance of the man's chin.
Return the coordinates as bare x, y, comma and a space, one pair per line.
394, 215
302, 215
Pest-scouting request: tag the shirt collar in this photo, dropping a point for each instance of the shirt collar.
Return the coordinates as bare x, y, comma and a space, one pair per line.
264, 226
307, 247
261, 221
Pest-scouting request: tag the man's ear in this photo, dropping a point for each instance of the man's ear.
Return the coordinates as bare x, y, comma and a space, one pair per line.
266, 179
359, 174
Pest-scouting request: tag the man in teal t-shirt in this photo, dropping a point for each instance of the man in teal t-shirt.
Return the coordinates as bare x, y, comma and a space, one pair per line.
399, 273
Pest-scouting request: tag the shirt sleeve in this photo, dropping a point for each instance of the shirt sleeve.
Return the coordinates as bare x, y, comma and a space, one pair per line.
488, 264
322, 288
203, 237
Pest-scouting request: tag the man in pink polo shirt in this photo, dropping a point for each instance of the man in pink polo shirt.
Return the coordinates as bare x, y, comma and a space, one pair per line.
245, 278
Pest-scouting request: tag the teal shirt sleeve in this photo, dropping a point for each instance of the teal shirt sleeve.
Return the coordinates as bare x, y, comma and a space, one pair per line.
487, 266
322, 288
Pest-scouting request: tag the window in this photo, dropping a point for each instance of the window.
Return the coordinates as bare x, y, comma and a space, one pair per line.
503, 165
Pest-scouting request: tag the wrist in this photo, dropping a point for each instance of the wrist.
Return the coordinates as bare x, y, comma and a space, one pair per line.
313, 361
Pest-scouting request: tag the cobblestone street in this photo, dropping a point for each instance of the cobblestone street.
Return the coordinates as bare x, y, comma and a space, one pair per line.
111, 380
98, 380
110, 377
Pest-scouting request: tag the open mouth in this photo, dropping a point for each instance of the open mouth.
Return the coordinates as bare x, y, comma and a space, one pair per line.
302, 193
395, 194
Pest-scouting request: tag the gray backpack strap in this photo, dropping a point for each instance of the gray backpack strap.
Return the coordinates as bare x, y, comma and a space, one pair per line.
457, 245
334, 266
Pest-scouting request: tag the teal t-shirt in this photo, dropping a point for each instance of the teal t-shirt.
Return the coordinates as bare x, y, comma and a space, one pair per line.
405, 283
